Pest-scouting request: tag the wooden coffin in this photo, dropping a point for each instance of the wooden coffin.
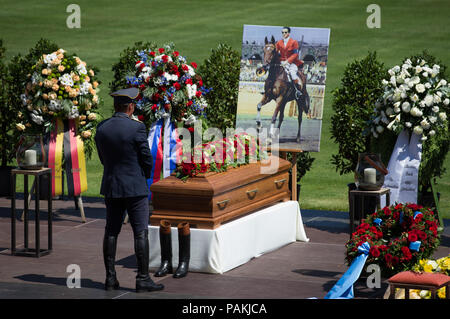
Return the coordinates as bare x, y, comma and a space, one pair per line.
211, 199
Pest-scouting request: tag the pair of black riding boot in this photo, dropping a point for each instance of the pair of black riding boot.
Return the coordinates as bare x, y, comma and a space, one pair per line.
184, 253
141, 248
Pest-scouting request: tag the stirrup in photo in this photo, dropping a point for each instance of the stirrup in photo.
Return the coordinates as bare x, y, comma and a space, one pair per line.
298, 94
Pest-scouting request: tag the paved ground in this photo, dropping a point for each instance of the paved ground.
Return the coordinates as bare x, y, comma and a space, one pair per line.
295, 271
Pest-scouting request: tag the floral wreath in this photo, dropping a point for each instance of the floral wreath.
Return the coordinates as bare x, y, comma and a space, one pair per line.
399, 237
61, 86
416, 98
168, 84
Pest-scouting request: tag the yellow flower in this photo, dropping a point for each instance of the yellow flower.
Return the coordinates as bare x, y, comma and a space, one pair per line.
428, 268
20, 127
92, 117
414, 294
86, 134
441, 293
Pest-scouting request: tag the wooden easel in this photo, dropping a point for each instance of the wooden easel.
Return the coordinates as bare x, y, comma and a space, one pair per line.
283, 154
77, 199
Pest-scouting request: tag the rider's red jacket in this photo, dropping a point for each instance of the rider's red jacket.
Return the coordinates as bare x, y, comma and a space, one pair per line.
289, 52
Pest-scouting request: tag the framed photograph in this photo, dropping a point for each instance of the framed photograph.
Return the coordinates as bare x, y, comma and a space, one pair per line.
282, 84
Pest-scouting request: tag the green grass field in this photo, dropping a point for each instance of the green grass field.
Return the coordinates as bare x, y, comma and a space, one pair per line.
195, 27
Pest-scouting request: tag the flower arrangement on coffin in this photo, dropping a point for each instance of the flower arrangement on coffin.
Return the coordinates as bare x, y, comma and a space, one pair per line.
441, 265
65, 87
168, 84
416, 98
218, 156
399, 236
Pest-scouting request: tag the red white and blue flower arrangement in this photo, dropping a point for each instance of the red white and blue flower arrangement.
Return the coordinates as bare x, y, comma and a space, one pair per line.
399, 237
168, 85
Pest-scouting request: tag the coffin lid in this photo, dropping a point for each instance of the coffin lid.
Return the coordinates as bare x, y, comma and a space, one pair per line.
211, 184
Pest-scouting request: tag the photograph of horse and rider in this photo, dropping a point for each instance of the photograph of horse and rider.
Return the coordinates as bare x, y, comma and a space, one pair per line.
282, 84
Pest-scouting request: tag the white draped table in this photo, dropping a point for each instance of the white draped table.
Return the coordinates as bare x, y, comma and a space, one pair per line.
235, 243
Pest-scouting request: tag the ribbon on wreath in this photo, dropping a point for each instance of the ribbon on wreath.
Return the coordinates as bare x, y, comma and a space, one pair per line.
74, 159
165, 149
343, 289
65, 142
55, 154
403, 167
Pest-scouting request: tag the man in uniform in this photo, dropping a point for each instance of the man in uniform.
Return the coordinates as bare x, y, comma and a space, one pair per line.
288, 49
124, 152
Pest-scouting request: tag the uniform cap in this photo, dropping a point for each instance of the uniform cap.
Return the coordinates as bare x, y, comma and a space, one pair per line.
125, 95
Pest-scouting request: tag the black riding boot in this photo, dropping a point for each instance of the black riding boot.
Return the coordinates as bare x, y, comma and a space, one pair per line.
165, 240
109, 256
141, 248
184, 253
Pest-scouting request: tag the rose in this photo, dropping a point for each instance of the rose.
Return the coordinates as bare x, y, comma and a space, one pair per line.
86, 134
412, 236
428, 100
406, 253
20, 127
406, 107
416, 112
418, 130
420, 88
425, 125
374, 251
92, 117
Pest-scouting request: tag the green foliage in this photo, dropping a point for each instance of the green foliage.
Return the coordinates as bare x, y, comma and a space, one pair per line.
353, 107
126, 65
220, 71
304, 163
8, 114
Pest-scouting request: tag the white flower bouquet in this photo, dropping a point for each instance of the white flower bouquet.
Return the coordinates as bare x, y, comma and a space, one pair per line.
416, 98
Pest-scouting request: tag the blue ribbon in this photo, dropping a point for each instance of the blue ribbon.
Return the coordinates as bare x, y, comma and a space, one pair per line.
401, 218
173, 147
415, 245
343, 289
378, 221
154, 138
417, 213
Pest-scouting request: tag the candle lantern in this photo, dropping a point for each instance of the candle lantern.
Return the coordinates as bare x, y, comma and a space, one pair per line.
370, 172
30, 152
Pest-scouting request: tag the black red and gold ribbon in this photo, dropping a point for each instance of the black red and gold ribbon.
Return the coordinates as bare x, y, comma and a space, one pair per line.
65, 142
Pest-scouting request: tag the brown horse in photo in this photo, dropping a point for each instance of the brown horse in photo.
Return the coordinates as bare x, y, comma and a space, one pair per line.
279, 87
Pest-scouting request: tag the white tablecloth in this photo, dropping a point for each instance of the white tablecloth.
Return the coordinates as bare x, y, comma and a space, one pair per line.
236, 242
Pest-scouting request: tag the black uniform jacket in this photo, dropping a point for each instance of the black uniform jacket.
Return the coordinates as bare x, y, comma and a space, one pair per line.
124, 152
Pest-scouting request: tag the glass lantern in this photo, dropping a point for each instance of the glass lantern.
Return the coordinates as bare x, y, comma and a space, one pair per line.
30, 153
370, 172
